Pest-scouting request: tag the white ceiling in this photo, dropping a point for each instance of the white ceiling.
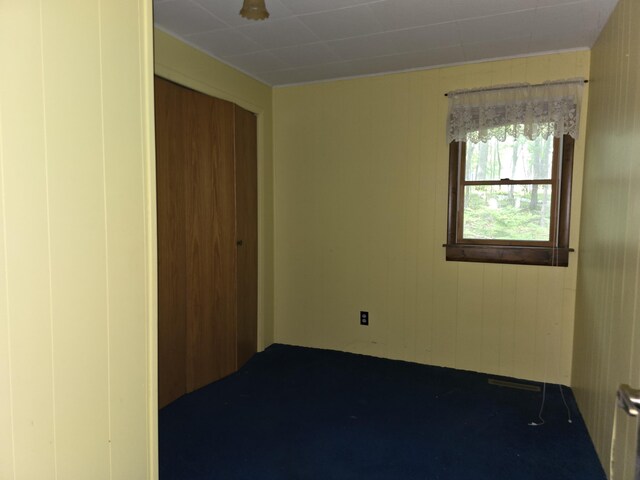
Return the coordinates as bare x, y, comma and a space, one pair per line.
311, 40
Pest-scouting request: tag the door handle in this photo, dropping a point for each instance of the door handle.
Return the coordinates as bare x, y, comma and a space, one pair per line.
239, 243
629, 399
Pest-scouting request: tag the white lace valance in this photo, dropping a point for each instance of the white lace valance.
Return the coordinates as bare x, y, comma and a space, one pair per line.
551, 108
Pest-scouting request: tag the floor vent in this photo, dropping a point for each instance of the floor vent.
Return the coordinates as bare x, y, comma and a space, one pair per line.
519, 386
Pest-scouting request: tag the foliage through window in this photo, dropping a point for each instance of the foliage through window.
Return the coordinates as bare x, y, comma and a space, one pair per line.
509, 201
494, 209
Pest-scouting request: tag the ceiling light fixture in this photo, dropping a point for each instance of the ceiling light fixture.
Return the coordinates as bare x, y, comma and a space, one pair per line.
254, 10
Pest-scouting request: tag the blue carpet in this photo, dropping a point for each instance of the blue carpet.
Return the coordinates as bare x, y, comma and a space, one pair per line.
299, 413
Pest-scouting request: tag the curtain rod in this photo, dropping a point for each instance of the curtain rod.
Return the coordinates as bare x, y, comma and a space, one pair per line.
509, 87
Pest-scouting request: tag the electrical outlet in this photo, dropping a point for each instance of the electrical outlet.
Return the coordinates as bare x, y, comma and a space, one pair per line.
364, 318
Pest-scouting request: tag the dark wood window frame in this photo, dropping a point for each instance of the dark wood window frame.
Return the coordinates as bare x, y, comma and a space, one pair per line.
552, 253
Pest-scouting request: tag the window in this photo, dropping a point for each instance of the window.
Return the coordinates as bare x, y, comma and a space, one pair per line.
510, 169
509, 201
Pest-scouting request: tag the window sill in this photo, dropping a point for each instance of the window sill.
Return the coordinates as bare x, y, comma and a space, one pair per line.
519, 255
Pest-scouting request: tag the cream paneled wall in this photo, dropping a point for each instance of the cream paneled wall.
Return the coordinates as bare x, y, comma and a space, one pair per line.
607, 333
77, 236
361, 171
183, 64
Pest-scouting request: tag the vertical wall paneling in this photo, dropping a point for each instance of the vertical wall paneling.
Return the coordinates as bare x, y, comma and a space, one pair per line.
245, 137
75, 323
469, 315
7, 461
507, 319
81, 401
607, 331
361, 201
492, 295
526, 318
28, 447
124, 174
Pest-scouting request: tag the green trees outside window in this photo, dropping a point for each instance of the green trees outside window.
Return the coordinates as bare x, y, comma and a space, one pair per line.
510, 200
514, 211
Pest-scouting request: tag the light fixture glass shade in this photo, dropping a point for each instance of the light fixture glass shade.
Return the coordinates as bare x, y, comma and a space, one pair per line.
254, 10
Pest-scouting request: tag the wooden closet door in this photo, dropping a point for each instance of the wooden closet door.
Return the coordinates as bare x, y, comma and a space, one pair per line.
171, 142
247, 232
196, 240
211, 240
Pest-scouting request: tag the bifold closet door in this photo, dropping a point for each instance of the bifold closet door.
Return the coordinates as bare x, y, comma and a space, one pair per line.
210, 239
247, 231
196, 239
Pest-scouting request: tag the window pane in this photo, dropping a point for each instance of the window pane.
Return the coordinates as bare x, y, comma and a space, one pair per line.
507, 212
517, 159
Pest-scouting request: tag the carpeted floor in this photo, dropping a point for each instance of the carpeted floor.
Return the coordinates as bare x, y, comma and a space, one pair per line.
299, 413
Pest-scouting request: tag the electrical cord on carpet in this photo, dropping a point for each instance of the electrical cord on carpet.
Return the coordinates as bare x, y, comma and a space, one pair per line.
544, 396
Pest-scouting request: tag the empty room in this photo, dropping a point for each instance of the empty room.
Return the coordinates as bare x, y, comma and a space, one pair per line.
313, 239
